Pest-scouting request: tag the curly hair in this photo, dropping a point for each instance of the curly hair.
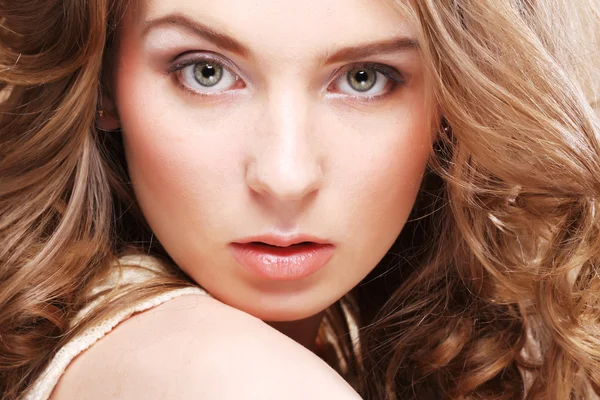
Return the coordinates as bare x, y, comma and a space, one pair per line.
495, 293
67, 210
502, 300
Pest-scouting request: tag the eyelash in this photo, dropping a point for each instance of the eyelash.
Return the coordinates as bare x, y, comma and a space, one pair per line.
395, 77
206, 57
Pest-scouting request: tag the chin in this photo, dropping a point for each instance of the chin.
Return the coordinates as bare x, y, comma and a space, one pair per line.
273, 307
284, 314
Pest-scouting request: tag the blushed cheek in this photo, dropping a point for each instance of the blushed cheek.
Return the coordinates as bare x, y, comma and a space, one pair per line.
187, 176
387, 181
171, 154
155, 154
178, 178
156, 170
406, 162
392, 180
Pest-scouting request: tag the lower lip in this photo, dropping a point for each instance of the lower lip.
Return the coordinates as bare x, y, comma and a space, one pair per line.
282, 263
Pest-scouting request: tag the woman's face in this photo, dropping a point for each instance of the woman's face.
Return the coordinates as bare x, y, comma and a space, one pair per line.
275, 147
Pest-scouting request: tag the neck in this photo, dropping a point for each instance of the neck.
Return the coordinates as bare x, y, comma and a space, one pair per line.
303, 331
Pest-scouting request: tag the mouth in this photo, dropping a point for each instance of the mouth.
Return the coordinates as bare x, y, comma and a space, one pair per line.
294, 246
282, 259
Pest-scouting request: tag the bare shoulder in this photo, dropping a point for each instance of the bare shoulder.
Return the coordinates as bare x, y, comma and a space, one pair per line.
195, 347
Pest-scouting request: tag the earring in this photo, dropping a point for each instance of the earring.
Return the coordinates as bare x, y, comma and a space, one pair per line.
446, 126
514, 194
101, 113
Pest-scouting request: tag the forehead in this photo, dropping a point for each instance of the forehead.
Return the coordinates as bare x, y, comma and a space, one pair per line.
285, 27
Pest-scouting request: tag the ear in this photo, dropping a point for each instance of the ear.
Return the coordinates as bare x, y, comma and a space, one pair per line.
107, 117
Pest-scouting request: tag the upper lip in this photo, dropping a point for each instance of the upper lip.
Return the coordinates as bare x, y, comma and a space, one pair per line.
283, 240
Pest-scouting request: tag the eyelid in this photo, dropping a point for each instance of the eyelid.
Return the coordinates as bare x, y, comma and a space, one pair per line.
387, 70
195, 57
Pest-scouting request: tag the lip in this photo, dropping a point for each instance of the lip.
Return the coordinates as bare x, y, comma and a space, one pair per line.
282, 258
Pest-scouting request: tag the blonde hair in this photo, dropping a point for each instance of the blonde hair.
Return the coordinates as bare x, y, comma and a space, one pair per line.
67, 209
510, 247
505, 299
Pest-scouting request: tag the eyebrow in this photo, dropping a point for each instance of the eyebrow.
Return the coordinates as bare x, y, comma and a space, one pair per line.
371, 49
228, 43
181, 21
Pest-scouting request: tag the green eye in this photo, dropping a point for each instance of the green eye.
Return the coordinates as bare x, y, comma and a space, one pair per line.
208, 74
362, 79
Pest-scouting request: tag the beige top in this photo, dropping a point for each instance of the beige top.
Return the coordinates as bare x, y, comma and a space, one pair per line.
42, 388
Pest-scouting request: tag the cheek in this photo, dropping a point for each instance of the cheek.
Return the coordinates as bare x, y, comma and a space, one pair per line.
181, 186
181, 161
381, 175
386, 192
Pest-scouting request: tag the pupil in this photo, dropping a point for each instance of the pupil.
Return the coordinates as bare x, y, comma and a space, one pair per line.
362, 76
208, 75
208, 71
362, 79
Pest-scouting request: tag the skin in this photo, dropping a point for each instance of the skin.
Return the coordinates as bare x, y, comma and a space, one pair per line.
285, 145
195, 347
281, 145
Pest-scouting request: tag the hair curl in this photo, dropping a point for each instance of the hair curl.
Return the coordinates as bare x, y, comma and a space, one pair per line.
496, 296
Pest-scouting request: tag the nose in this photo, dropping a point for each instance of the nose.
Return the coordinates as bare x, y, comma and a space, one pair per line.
285, 166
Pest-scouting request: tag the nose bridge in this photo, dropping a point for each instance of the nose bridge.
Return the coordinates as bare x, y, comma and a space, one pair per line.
288, 113
286, 164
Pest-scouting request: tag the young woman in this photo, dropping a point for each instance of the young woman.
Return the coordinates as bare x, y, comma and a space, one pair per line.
198, 198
